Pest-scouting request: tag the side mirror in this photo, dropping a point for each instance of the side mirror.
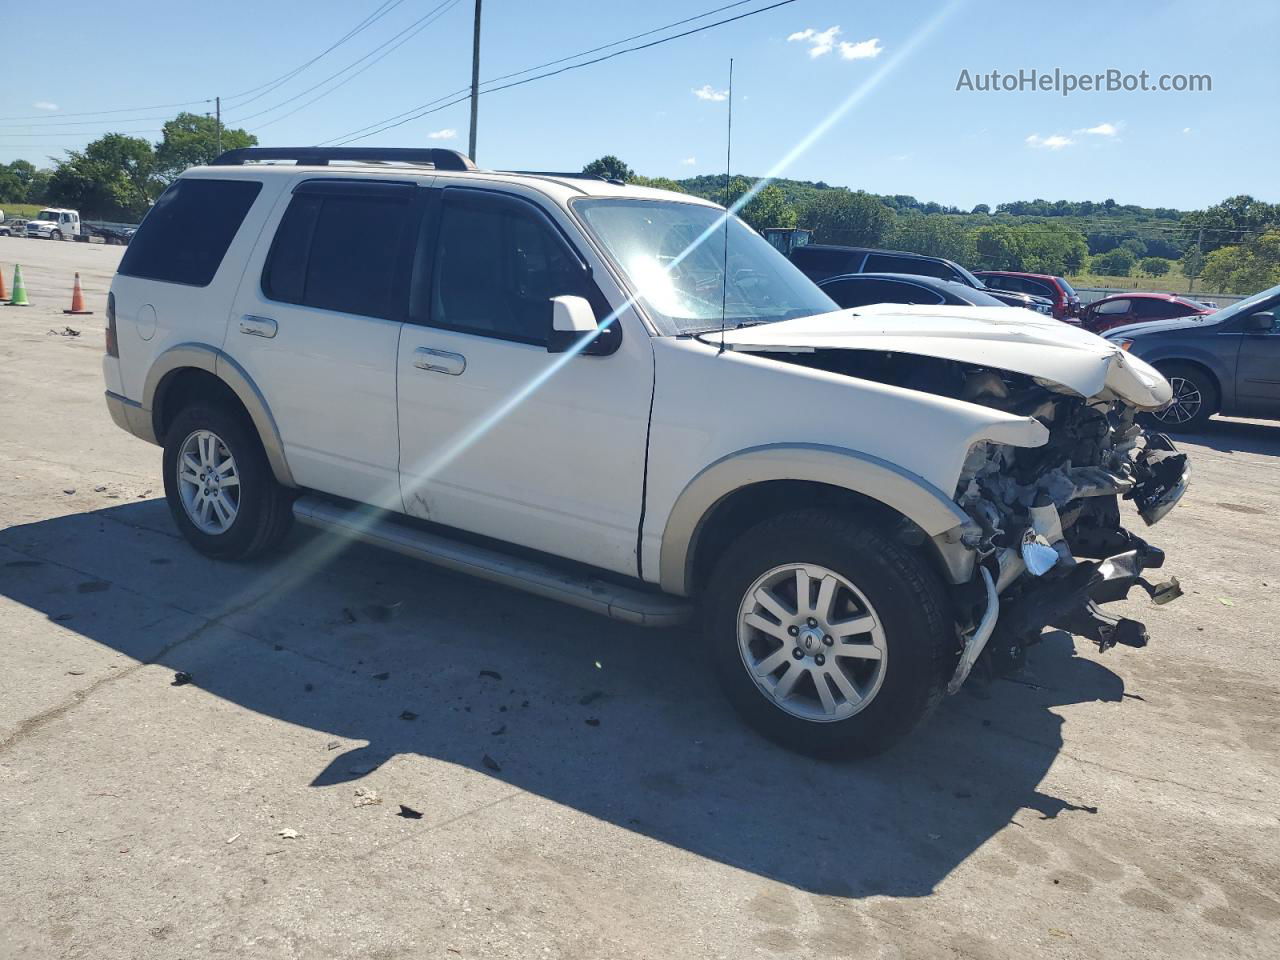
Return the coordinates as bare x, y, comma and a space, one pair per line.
572, 320
1263, 322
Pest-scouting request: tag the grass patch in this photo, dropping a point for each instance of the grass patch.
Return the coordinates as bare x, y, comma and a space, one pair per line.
1170, 283
25, 210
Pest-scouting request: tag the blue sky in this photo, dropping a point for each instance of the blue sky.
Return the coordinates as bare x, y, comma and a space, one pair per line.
661, 109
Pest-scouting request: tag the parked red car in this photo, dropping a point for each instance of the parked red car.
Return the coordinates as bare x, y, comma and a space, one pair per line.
1123, 308
1066, 304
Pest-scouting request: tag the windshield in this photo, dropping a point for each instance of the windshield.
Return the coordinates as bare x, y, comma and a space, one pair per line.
1066, 287
47, 215
673, 254
970, 279
1245, 306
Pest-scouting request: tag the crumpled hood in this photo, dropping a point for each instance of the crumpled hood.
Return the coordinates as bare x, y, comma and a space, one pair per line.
1009, 338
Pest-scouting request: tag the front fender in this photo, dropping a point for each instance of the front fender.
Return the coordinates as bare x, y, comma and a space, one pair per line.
908, 494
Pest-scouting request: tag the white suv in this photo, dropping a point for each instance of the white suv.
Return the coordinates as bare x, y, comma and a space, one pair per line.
619, 398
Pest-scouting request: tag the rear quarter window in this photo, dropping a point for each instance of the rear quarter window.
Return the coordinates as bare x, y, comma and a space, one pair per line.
185, 236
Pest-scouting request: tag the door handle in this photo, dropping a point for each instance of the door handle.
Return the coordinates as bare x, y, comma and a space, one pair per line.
258, 326
439, 361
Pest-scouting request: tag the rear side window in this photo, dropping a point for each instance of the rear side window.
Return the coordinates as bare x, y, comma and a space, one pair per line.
339, 247
818, 264
887, 263
857, 292
185, 236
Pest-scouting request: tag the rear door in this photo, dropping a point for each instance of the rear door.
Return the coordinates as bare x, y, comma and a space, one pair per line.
316, 326
498, 436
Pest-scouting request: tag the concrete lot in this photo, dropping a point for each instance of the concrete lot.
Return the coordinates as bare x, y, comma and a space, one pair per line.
596, 798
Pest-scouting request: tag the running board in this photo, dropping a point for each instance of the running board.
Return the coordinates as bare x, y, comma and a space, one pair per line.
375, 527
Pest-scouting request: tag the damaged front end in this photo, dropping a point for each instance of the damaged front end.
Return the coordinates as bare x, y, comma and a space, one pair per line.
1047, 528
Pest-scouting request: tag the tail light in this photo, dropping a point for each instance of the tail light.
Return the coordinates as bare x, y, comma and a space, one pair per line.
113, 346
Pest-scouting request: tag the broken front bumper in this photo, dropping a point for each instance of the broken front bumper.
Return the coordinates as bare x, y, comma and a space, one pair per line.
1068, 597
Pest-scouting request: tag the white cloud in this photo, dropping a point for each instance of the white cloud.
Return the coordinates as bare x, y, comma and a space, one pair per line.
821, 42
44, 105
448, 133
708, 92
1186, 130
1102, 130
689, 161
1055, 141
862, 50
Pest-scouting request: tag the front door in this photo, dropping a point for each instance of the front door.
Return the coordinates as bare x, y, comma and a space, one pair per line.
497, 435
1258, 368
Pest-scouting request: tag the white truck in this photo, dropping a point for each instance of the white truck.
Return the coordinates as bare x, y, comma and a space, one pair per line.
54, 223
623, 399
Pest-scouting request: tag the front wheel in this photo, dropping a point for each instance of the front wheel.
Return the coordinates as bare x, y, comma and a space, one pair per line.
1195, 399
56, 235
827, 635
220, 488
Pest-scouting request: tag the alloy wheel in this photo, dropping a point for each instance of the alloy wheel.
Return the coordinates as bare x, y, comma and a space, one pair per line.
812, 642
1186, 403
208, 482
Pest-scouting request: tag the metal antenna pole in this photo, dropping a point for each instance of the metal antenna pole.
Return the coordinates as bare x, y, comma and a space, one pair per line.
728, 180
475, 82
217, 107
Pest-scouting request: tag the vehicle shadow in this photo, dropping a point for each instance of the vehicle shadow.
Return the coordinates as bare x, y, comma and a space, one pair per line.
1237, 436
619, 723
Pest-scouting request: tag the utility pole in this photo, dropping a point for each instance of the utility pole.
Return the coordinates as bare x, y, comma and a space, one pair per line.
475, 82
217, 107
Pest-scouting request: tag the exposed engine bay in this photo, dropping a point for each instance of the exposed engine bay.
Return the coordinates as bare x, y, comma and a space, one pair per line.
1046, 520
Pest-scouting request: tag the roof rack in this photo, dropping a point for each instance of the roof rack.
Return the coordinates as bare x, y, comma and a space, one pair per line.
436, 157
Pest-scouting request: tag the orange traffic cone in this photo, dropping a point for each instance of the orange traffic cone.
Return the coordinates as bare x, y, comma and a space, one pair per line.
4, 294
77, 300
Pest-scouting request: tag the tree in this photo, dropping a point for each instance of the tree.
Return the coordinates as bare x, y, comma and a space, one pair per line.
190, 139
934, 236
1114, 263
1154, 266
1135, 246
1230, 222
611, 168
21, 182
658, 183
982, 208
113, 178
768, 208
996, 247
843, 216
1245, 267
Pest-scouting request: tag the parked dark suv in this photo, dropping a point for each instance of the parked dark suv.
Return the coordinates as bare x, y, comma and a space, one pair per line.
1066, 302
1223, 362
820, 261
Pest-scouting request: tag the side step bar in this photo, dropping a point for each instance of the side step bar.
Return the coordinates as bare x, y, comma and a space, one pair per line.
611, 600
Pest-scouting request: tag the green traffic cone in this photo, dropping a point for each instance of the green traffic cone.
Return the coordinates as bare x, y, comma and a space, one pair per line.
19, 289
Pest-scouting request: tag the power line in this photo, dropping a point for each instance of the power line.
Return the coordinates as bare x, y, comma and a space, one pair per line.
98, 113
408, 34
387, 124
381, 11
52, 119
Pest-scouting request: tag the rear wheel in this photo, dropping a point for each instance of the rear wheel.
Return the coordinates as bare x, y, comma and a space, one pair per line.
1195, 399
220, 488
827, 635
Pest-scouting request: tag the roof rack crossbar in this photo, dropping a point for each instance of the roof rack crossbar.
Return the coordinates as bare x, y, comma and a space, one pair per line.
436, 157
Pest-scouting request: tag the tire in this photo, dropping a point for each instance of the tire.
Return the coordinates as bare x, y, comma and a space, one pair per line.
263, 508
896, 690
56, 235
1199, 399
